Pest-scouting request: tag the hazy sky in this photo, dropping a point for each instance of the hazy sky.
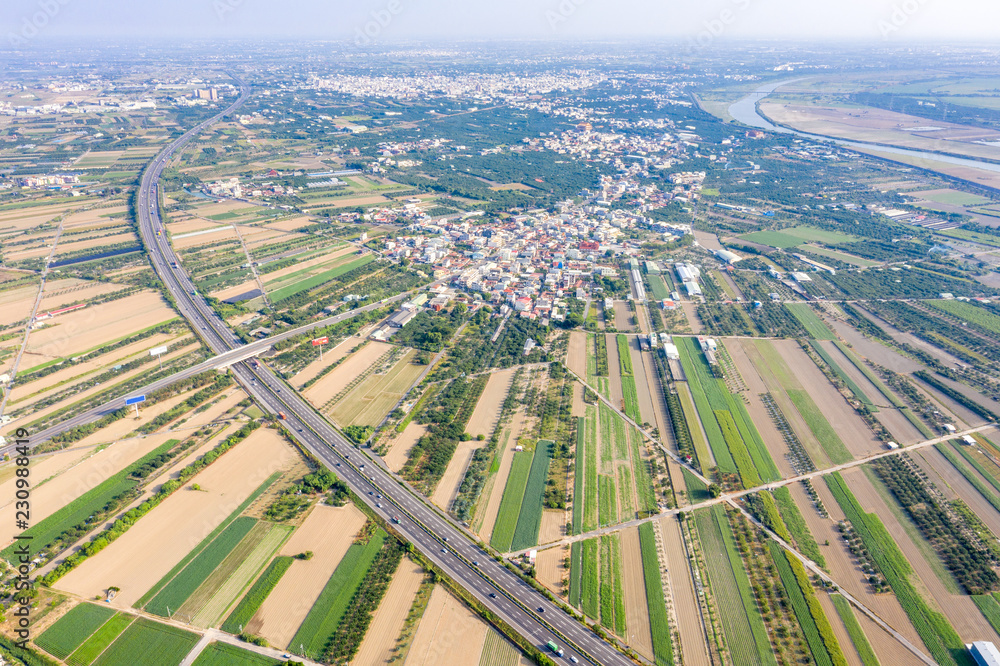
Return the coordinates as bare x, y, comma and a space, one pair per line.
387, 20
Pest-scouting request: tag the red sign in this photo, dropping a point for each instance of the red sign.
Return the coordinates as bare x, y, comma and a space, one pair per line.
320, 341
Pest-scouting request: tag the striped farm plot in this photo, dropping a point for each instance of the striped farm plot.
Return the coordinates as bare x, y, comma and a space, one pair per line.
742, 625
214, 597
377, 394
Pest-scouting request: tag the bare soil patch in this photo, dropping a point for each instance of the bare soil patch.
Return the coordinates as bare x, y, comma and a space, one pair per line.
487, 412
387, 622
687, 612
549, 569
335, 382
451, 480
636, 608
144, 554
576, 353
448, 633
89, 327
402, 444
328, 532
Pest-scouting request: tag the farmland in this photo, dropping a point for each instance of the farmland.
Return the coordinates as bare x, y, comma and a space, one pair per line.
160, 645
658, 622
510, 505
224, 654
325, 616
744, 630
72, 629
255, 596
810, 321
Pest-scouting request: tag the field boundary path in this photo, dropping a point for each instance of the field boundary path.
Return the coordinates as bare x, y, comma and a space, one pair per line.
34, 311
253, 267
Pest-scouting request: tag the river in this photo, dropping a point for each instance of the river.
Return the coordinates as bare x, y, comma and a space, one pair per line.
745, 111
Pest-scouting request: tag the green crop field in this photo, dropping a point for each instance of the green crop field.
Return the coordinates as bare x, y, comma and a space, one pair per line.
223, 654
851, 384
529, 519
225, 585
631, 397
498, 651
257, 594
575, 573
973, 314
159, 645
176, 592
854, 630
841, 256
954, 197
591, 585
624, 356
70, 631
934, 629
658, 287
988, 493
748, 473
316, 280
510, 503
744, 629
325, 615
776, 239
77, 511
100, 640
197, 550
659, 624
796, 523
815, 625
700, 383
820, 427
810, 321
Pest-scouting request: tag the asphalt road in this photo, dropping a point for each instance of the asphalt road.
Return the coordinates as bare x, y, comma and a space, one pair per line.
436, 535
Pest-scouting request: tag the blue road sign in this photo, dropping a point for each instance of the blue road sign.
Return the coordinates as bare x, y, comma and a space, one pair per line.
135, 400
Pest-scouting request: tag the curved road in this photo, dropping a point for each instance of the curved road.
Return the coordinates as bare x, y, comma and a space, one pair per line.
435, 534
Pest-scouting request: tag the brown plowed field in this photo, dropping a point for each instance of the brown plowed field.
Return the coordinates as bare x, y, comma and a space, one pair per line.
144, 554
691, 313
328, 532
77, 372
856, 435
447, 488
402, 445
487, 412
686, 609
634, 583
553, 526
16, 304
323, 390
623, 317
579, 406
839, 630
959, 609
387, 622
330, 356
121, 377
776, 445
77, 331
576, 353
887, 648
86, 475
842, 565
449, 633
549, 569
889, 416
750, 362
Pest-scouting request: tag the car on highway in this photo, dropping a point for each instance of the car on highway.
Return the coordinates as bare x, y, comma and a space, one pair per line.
574, 659
541, 610
493, 595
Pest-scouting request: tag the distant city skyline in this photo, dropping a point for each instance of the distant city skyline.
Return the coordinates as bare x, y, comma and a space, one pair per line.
393, 20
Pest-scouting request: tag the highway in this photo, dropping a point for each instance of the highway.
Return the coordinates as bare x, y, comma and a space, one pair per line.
432, 532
